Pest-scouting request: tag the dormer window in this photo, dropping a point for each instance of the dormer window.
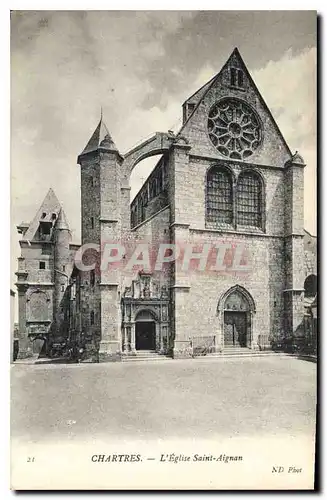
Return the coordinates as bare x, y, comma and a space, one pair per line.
236, 78
45, 228
190, 109
53, 216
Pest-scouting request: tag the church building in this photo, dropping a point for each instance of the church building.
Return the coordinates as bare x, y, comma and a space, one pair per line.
227, 179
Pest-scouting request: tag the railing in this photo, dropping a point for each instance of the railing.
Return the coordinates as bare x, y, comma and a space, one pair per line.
201, 346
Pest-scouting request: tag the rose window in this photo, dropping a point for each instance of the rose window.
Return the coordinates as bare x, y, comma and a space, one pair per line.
234, 128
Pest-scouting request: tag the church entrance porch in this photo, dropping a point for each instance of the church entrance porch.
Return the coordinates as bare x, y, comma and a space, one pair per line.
145, 320
236, 310
145, 336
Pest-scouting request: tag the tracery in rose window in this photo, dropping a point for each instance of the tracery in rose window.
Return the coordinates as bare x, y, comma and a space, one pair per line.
234, 128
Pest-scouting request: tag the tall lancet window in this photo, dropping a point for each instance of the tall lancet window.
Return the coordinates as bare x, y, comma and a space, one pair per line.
250, 200
219, 196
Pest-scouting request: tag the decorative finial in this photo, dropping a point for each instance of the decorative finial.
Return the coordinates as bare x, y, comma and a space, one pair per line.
101, 113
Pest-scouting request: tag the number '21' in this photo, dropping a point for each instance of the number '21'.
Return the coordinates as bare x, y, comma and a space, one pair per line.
31, 459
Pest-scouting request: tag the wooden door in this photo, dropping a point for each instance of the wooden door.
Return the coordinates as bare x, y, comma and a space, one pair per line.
234, 329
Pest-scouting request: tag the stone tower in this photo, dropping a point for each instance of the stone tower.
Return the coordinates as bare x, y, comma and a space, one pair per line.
100, 163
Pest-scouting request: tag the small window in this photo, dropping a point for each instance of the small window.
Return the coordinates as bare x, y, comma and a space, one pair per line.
64, 268
240, 78
41, 265
43, 215
92, 181
62, 288
54, 216
236, 78
190, 109
233, 77
92, 318
92, 277
92, 222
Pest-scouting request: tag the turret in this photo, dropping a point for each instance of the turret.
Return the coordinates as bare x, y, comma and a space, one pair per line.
62, 265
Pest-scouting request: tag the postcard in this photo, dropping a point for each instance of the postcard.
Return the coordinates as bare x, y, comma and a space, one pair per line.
164, 250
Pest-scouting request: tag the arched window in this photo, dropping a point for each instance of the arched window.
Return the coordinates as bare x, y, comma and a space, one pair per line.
134, 217
139, 210
219, 196
143, 204
92, 317
159, 181
249, 200
310, 286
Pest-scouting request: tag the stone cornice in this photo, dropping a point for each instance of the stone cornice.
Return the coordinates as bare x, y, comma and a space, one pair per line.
212, 160
39, 284
294, 235
180, 224
150, 218
236, 233
186, 287
109, 284
112, 221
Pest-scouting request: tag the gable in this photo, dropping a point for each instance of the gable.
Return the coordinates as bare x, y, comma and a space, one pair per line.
241, 127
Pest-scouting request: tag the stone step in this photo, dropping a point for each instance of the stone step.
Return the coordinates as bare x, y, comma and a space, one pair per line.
132, 359
147, 353
240, 349
144, 356
246, 354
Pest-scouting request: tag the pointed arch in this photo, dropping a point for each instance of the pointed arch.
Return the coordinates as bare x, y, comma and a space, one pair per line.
250, 199
219, 196
237, 289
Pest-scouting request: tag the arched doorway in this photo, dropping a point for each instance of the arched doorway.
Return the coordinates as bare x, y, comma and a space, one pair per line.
145, 331
310, 286
237, 307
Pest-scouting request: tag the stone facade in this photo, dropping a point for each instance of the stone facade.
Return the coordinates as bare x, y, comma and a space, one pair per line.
43, 278
184, 309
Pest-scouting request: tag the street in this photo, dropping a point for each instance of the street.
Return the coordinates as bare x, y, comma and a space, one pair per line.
185, 399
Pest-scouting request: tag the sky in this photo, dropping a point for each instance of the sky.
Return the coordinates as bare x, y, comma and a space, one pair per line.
139, 67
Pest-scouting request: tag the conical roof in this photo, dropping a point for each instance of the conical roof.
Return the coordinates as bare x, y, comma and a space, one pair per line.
62, 221
100, 138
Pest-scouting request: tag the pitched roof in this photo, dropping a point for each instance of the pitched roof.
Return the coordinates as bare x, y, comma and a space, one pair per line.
203, 91
100, 138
